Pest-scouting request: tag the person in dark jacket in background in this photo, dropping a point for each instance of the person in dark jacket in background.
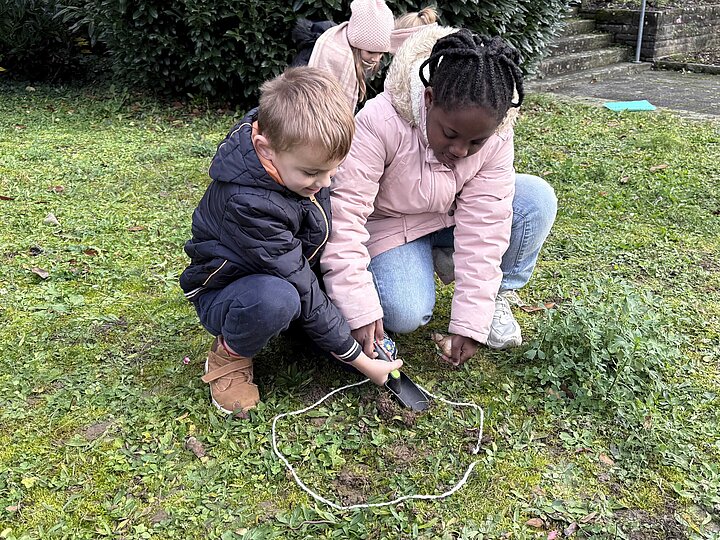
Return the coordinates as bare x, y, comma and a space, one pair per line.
305, 35
259, 229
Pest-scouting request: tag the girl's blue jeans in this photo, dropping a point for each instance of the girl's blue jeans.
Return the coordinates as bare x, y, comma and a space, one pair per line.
404, 276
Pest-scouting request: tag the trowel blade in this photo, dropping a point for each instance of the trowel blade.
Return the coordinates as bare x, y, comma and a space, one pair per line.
408, 393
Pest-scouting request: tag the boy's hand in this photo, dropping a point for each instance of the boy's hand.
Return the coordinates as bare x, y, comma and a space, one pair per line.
375, 370
367, 335
456, 350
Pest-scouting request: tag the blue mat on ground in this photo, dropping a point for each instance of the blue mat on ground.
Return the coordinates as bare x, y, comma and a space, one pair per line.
642, 105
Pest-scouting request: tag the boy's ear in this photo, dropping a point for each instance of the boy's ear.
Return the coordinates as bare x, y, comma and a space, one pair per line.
428, 97
262, 147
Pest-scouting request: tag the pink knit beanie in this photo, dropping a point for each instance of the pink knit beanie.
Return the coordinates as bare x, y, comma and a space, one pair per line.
370, 25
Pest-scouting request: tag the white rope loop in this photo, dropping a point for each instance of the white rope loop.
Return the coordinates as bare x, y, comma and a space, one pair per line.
323, 500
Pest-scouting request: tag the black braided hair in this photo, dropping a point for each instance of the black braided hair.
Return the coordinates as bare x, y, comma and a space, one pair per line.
467, 69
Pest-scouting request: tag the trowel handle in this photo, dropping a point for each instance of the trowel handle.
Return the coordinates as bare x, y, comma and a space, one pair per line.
387, 352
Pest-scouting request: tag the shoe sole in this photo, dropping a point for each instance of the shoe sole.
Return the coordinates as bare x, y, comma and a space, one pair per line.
507, 345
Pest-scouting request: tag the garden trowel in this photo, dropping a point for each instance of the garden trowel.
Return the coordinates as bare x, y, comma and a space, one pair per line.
400, 385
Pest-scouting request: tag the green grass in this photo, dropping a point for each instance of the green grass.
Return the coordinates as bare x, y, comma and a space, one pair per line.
97, 402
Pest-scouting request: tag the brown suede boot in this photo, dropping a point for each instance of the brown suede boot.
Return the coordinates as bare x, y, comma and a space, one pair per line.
230, 378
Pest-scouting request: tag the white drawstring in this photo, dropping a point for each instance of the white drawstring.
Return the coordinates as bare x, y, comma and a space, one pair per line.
322, 499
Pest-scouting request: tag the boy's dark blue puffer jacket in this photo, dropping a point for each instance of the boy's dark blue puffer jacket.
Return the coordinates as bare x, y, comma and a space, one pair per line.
247, 223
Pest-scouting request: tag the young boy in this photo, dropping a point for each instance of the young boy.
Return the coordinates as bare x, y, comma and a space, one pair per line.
258, 232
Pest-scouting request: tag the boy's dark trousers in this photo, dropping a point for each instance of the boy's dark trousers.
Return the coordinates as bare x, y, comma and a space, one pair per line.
249, 312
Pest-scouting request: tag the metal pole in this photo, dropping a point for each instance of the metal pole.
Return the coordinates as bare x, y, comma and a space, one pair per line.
640, 32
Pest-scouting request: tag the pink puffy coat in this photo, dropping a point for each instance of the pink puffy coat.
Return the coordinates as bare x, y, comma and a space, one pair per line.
391, 190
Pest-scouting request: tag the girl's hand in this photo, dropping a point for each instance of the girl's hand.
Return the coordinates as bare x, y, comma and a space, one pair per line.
367, 335
375, 370
454, 349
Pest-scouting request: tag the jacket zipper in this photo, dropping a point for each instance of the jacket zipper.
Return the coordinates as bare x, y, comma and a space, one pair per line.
327, 227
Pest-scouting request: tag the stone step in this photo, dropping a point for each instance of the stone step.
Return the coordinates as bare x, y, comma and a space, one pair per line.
574, 27
579, 43
549, 84
572, 11
569, 63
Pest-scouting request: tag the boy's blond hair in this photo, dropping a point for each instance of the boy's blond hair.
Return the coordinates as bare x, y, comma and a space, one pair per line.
306, 106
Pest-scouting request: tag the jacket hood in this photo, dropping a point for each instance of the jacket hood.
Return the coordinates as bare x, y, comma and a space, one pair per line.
403, 79
237, 162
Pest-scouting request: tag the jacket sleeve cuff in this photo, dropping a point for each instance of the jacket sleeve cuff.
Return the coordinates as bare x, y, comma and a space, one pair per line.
480, 337
365, 319
352, 350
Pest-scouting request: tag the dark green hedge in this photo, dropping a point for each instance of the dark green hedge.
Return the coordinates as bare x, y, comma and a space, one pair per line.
34, 44
225, 49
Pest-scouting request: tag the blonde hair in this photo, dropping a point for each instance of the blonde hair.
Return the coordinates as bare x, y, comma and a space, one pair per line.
360, 72
306, 106
425, 16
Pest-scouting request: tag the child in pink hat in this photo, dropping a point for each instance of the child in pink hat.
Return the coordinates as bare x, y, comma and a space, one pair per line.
352, 50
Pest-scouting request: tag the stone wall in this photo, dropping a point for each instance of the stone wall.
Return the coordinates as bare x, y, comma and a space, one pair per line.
665, 32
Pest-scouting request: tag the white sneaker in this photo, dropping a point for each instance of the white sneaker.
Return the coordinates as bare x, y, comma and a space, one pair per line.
504, 329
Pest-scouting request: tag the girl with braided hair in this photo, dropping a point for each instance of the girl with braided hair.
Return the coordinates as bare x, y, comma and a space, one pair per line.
430, 169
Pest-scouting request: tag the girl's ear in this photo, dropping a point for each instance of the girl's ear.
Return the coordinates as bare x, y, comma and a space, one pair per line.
428, 97
263, 147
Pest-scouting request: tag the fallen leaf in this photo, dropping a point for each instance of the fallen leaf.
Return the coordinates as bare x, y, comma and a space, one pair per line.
90, 252
160, 515
20, 126
56, 189
624, 180
552, 535
535, 522
40, 272
533, 309
97, 430
659, 167
195, 446
570, 529
50, 219
6, 198
13, 508
565, 388
136, 228
603, 193
606, 460
588, 518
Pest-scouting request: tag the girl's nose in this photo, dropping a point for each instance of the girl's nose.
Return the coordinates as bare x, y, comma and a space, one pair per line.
459, 150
